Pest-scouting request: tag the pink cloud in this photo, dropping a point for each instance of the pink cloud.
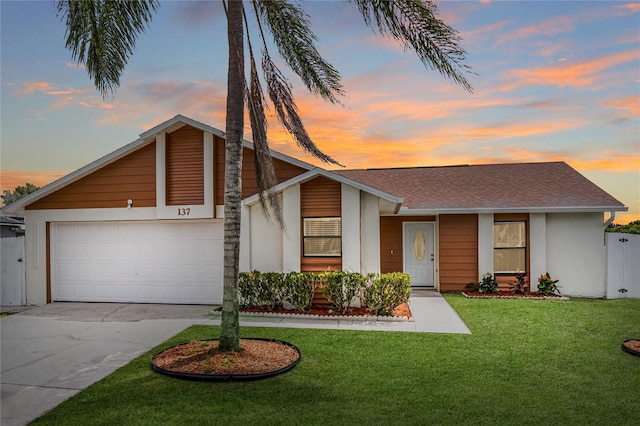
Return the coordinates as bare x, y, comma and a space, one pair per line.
630, 104
552, 26
629, 7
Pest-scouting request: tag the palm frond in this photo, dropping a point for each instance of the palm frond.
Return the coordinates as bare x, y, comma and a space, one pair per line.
289, 26
265, 172
415, 23
287, 111
102, 34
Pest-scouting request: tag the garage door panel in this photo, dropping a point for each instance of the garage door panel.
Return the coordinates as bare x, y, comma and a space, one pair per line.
155, 262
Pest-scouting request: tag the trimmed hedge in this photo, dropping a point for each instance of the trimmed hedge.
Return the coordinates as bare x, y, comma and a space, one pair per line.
381, 293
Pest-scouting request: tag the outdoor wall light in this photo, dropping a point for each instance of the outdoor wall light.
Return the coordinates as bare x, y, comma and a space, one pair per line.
129, 203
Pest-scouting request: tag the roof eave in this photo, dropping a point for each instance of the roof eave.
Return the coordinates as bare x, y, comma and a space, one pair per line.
578, 209
304, 177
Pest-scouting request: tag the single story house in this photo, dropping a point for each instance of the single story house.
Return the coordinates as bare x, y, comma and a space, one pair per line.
145, 223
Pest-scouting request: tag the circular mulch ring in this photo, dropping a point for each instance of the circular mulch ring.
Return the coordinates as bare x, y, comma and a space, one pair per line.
631, 346
200, 360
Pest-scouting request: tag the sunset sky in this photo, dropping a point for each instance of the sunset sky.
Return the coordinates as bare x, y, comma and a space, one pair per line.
553, 81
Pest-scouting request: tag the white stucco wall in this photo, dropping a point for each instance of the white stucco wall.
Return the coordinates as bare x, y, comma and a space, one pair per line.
350, 228
575, 253
291, 238
537, 248
485, 244
369, 233
265, 241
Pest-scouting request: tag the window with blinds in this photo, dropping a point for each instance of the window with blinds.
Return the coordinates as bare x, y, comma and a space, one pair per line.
322, 237
509, 247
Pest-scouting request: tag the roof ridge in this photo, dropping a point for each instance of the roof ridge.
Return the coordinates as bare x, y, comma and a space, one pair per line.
452, 166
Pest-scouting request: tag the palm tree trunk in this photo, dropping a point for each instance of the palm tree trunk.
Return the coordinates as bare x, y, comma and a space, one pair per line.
230, 326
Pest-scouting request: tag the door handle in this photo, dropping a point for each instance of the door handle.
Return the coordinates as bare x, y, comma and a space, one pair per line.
20, 260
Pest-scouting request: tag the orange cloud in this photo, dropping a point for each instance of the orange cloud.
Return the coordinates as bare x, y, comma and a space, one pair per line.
572, 75
12, 178
31, 87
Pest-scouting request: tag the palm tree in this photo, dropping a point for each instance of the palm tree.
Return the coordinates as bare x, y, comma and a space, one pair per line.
102, 33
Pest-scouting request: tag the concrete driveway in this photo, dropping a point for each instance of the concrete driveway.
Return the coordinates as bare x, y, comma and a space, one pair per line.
51, 352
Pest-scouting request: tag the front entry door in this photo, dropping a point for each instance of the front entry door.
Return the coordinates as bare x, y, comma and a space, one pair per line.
419, 253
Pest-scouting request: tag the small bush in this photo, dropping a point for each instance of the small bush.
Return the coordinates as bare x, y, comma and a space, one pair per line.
472, 286
383, 293
300, 287
340, 288
520, 286
488, 284
547, 285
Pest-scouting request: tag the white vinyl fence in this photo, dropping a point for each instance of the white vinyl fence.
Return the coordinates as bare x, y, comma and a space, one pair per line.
12, 277
623, 265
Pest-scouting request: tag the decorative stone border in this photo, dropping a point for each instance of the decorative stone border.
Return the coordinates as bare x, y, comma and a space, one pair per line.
489, 296
227, 377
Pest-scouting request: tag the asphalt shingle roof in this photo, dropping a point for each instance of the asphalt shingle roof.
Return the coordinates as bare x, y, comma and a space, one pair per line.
490, 186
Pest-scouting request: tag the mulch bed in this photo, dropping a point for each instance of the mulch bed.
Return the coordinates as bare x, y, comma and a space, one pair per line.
510, 295
401, 310
631, 346
201, 360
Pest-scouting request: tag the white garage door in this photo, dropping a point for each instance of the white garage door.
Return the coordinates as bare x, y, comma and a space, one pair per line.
144, 262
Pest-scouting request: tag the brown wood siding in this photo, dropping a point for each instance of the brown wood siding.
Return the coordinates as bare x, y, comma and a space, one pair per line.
320, 197
505, 281
185, 167
284, 171
391, 250
458, 255
320, 264
132, 177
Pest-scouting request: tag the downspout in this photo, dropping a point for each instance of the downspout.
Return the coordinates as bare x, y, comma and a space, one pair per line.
611, 219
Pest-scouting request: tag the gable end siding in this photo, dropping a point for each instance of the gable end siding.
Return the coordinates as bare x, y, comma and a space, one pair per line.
320, 197
458, 254
185, 167
132, 177
284, 171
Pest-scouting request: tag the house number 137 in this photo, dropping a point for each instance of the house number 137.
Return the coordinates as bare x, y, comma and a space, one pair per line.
184, 212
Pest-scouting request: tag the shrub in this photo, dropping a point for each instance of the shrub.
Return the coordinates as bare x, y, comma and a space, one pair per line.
520, 286
340, 288
247, 288
383, 293
299, 289
264, 289
472, 286
547, 285
488, 284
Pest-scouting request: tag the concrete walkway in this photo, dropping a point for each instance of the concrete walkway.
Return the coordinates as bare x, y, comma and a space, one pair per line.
51, 352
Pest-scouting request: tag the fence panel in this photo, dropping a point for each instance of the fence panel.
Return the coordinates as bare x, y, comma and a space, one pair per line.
623, 265
12, 277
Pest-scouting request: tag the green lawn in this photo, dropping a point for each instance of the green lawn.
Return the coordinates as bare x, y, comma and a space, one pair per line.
527, 362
